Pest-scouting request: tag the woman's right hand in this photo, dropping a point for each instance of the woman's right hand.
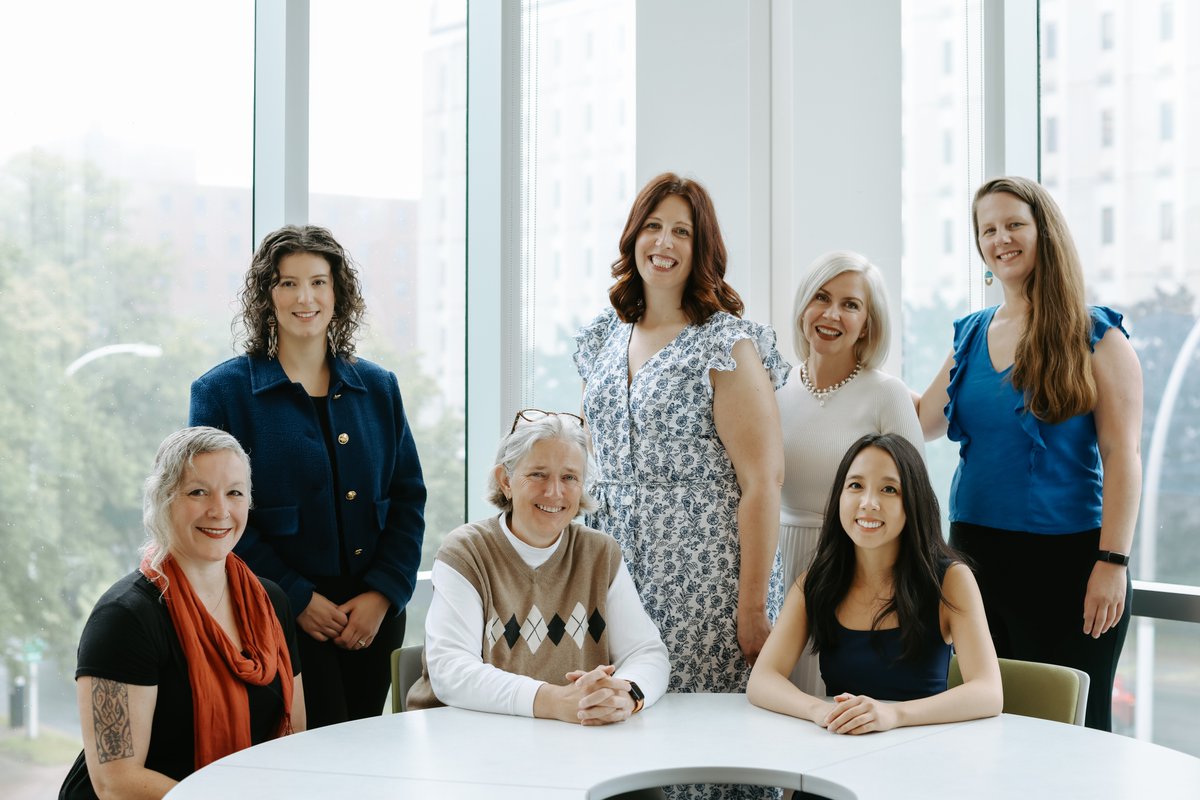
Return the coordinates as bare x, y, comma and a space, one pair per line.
857, 714
322, 619
588, 698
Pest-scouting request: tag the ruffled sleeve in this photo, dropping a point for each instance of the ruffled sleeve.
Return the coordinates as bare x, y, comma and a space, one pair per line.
1104, 318
724, 330
965, 330
591, 338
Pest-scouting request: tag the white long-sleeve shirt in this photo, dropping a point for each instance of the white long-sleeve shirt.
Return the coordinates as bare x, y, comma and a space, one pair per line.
454, 630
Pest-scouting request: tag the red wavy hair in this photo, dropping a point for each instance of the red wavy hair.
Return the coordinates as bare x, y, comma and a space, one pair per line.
706, 291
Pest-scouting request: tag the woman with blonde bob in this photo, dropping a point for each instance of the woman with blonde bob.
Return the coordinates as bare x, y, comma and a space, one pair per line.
534, 614
1044, 396
842, 333
191, 657
882, 603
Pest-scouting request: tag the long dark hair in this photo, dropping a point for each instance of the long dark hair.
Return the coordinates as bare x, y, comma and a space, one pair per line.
920, 564
706, 291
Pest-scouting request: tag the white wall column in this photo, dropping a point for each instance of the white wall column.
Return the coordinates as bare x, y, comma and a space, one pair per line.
788, 184
842, 132
703, 111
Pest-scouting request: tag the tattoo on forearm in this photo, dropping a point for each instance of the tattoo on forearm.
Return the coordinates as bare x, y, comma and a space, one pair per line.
110, 716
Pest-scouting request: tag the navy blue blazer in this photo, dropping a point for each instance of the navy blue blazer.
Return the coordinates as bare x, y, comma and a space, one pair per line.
291, 536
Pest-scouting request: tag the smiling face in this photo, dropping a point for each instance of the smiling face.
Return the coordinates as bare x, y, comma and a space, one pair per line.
835, 320
303, 297
545, 488
872, 505
1008, 237
663, 249
208, 512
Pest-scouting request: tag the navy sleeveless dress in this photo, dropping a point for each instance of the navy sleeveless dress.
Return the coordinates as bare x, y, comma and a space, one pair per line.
868, 662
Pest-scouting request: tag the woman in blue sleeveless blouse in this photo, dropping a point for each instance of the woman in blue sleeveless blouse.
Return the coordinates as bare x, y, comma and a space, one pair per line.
881, 605
1044, 396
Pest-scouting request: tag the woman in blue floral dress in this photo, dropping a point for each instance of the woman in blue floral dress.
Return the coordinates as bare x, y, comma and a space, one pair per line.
679, 397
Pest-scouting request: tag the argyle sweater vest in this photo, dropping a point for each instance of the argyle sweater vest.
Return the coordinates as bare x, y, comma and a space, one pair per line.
541, 622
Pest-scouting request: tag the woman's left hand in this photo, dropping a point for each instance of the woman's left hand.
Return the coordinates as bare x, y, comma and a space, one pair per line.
855, 714
753, 628
366, 612
1104, 602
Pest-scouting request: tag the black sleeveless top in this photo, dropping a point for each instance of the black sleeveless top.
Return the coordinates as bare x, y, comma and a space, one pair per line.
868, 662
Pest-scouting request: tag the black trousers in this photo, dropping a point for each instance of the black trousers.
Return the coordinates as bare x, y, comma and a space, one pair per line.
1033, 587
341, 685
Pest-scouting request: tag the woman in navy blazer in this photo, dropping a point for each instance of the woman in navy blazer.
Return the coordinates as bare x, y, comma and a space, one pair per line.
339, 500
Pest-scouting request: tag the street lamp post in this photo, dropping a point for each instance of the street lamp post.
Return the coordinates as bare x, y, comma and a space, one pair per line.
132, 348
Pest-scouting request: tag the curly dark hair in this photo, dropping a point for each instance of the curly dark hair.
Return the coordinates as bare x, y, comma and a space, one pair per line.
252, 327
706, 291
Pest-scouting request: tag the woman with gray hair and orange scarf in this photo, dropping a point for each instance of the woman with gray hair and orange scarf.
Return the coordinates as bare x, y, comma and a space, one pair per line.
191, 657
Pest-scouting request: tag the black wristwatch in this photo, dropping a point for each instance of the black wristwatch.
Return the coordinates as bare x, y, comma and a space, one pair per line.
1113, 558
639, 698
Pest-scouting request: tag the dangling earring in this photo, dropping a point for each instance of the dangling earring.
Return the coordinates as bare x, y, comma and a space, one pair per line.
330, 335
272, 338
987, 277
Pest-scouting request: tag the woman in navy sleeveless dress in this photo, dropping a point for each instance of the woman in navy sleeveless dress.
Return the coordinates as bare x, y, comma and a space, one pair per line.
881, 605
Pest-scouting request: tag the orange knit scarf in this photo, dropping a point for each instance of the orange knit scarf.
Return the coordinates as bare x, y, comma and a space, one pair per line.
217, 671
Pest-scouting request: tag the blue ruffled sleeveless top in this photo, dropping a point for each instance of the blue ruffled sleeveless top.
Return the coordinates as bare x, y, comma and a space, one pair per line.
1016, 472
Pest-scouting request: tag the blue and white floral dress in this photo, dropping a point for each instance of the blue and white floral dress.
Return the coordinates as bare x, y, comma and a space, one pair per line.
666, 488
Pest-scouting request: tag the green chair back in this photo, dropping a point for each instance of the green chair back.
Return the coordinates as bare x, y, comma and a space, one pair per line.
406, 668
1045, 691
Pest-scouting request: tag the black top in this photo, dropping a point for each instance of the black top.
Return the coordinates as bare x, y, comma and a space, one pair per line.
870, 663
130, 638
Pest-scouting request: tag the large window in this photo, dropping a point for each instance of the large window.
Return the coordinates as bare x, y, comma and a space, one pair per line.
1121, 204
126, 219
387, 169
577, 166
942, 275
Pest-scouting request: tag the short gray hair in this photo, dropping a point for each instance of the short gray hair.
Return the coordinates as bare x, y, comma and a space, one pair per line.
514, 447
175, 456
872, 350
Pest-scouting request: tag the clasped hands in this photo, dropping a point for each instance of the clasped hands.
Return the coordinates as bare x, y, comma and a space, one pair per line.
855, 714
351, 625
594, 697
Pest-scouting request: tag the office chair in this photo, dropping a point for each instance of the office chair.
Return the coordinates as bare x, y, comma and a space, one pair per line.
1045, 691
406, 668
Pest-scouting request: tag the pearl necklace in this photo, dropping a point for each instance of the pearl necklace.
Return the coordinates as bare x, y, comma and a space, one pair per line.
822, 395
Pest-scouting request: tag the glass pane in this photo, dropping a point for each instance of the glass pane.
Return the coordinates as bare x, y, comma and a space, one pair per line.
1157, 690
387, 171
125, 223
941, 125
578, 138
1124, 169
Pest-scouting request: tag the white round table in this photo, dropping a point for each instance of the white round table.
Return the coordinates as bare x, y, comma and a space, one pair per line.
693, 738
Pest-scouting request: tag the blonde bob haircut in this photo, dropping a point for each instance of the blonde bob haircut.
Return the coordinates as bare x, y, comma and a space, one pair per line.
176, 455
517, 445
872, 349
